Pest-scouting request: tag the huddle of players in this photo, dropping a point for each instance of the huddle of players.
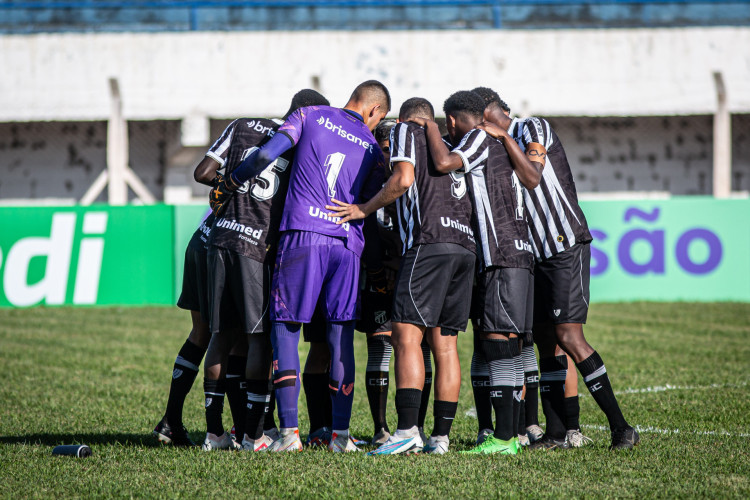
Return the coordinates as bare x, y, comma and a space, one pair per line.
487, 176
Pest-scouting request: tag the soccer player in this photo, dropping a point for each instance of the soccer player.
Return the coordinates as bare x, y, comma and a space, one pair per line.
560, 240
505, 279
337, 157
381, 258
194, 298
241, 251
377, 299
433, 287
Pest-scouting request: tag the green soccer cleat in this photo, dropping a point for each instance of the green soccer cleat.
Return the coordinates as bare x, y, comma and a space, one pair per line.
493, 445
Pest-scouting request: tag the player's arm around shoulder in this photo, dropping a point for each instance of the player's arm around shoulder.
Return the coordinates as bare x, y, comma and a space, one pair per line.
444, 159
400, 180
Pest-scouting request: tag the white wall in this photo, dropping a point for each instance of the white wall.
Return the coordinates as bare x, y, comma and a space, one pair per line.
226, 74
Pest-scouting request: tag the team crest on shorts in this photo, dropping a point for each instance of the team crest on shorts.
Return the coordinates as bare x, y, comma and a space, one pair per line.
380, 317
556, 312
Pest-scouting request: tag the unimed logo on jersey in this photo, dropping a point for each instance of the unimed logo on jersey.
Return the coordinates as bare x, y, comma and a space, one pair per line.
57, 250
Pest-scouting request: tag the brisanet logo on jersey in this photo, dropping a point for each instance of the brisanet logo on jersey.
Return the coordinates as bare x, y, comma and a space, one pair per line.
340, 131
21, 262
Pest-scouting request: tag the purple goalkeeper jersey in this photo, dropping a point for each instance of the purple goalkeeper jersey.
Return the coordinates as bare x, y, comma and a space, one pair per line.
336, 157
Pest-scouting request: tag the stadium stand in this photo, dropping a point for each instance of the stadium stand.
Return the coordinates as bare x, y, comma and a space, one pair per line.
19, 16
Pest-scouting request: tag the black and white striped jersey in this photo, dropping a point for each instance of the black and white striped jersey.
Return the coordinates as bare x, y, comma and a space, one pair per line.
250, 223
436, 208
556, 221
498, 202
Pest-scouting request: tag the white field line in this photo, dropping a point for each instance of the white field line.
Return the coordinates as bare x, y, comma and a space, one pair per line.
472, 412
655, 430
669, 387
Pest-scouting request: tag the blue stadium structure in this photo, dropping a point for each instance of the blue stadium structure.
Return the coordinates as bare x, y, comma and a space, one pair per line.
19, 16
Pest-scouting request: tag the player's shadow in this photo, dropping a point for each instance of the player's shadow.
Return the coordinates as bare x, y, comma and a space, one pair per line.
53, 439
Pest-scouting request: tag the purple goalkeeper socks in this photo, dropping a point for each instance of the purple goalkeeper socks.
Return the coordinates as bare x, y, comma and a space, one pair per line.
340, 338
285, 340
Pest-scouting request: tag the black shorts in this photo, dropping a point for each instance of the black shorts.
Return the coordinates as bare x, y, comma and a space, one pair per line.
561, 285
239, 292
194, 295
315, 330
376, 309
506, 296
433, 287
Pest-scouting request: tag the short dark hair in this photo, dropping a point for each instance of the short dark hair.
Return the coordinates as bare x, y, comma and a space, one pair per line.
416, 106
304, 98
372, 90
490, 97
464, 102
383, 130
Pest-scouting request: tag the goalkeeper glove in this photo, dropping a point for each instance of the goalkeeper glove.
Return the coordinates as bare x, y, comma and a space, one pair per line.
224, 188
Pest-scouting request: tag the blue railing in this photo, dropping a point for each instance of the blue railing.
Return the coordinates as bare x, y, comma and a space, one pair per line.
179, 15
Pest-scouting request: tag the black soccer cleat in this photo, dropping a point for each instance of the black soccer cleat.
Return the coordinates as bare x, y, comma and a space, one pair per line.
550, 443
177, 436
624, 439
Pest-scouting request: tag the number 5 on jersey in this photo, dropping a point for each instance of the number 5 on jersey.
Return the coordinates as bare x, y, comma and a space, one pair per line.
267, 183
333, 164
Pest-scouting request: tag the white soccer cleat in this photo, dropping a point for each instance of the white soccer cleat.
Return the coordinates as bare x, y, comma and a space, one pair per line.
576, 439
223, 442
535, 433
288, 441
401, 442
484, 434
436, 445
342, 442
260, 444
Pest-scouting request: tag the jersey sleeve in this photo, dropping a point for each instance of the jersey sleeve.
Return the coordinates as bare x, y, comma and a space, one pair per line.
472, 150
220, 148
402, 144
292, 127
537, 130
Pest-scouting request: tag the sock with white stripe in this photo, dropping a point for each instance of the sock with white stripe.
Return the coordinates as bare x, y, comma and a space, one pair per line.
502, 381
214, 392
444, 413
183, 375
595, 377
480, 385
531, 375
377, 379
425, 401
552, 393
258, 398
237, 392
269, 422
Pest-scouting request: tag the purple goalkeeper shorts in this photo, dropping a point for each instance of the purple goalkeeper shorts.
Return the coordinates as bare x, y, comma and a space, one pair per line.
311, 266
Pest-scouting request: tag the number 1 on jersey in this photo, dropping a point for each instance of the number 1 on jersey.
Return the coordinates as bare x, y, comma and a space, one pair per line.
333, 164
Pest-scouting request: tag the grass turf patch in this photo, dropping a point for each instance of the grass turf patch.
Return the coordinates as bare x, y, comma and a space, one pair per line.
100, 376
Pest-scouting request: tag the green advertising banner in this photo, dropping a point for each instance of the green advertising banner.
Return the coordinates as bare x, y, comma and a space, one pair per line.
680, 249
683, 248
187, 218
87, 255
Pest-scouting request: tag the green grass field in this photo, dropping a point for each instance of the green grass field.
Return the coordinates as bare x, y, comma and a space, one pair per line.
100, 376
